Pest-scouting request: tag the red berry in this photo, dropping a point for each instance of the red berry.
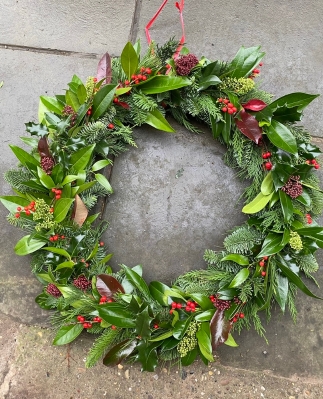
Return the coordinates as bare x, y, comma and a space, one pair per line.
51, 238
137, 81
142, 69
101, 244
95, 80
111, 126
19, 208
103, 298
26, 208
268, 165
139, 77
27, 212
226, 101
148, 70
261, 63
110, 300
174, 305
55, 237
89, 112
309, 221
187, 308
133, 77
224, 109
171, 311
144, 77
80, 318
263, 274
230, 111
53, 190
62, 237
116, 100
178, 306
230, 105
308, 162
220, 100
317, 166
17, 215
241, 315
265, 258
256, 70
264, 155
313, 161
57, 196
234, 109
261, 263
156, 326
268, 154
126, 82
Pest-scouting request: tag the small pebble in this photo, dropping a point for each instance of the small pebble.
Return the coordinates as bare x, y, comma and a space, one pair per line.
126, 374
262, 388
120, 366
210, 372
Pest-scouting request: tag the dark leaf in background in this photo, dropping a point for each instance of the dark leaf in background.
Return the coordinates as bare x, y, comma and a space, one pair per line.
108, 285
104, 69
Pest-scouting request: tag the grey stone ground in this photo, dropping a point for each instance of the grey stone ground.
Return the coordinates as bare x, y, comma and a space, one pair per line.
173, 195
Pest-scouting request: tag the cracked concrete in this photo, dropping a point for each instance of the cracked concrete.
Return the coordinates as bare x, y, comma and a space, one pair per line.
167, 224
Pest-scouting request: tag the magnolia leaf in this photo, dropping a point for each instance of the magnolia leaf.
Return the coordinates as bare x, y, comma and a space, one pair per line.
80, 211
240, 259
249, 126
271, 245
119, 352
117, 314
108, 286
244, 62
156, 119
267, 185
104, 69
257, 204
220, 329
161, 84
239, 278
157, 291
81, 158
281, 137
231, 342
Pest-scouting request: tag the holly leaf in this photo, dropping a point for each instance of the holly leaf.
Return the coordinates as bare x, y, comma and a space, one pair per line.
147, 355
104, 69
143, 321
108, 286
36, 129
249, 126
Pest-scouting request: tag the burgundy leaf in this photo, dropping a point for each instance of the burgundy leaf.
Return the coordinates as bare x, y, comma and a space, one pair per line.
119, 352
220, 328
43, 148
123, 104
104, 69
255, 105
248, 125
108, 285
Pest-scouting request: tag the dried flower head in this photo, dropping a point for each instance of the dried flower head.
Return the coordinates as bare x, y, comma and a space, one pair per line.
185, 63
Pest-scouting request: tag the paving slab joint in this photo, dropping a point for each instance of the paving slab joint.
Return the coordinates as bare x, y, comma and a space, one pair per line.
135, 22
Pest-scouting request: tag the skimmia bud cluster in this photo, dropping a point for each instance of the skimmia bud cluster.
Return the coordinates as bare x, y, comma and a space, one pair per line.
44, 214
239, 86
189, 341
220, 303
52, 290
185, 64
295, 241
47, 164
293, 187
82, 283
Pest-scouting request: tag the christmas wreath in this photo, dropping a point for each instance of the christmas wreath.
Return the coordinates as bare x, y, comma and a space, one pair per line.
57, 183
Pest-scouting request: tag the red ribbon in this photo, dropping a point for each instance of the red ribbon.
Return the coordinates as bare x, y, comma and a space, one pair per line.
180, 7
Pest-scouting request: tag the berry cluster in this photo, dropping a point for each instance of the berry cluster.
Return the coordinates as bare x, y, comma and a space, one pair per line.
105, 299
293, 187
27, 209
82, 283
314, 163
67, 111
52, 290
190, 306
263, 265
227, 106
220, 303
256, 71
237, 317
268, 165
56, 237
141, 77
57, 192
308, 218
88, 324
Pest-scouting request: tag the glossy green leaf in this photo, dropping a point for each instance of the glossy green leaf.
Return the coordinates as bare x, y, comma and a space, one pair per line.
62, 208
81, 158
294, 278
45, 179
59, 251
271, 245
162, 336
41, 300
156, 119
119, 352
67, 334
267, 185
129, 60
116, 314
102, 100
202, 300
286, 205
226, 128
239, 278
136, 280
81, 93
72, 100
281, 292
190, 357
240, 259
181, 327
24, 157
52, 104
299, 100
257, 204
157, 291
104, 182
207, 81
281, 137
231, 342
100, 164
143, 321
161, 83
147, 355
27, 245
204, 343
244, 62
69, 179
11, 202
65, 265
206, 315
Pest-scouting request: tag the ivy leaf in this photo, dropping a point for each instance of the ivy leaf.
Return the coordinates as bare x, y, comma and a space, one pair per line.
255, 105
108, 286
119, 352
281, 137
67, 334
220, 328
156, 119
104, 69
239, 278
257, 204
129, 60
249, 126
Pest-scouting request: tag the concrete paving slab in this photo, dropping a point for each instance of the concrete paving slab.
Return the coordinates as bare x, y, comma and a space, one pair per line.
173, 199
290, 33
76, 26
30, 368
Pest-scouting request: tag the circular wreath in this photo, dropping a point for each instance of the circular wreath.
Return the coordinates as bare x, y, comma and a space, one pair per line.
57, 183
